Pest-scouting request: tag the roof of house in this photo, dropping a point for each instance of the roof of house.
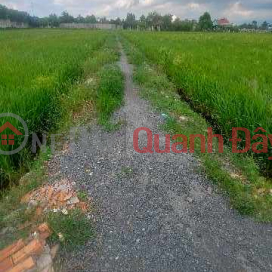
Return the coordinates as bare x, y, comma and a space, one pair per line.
223, 21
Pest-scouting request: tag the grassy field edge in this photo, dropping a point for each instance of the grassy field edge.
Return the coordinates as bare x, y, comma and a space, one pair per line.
211, 72
84, 104
46, 64
238, 175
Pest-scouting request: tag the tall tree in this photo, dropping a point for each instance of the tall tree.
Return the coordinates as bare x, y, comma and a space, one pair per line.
53, 20
185, 25
154, 20
90, 19
264, 25
17, 16
205, 22
44, 22
142, 22
255, 24
3, 12
79, 19
103, 20
167, 22
66, 17
177, 24
118, 21
130, 21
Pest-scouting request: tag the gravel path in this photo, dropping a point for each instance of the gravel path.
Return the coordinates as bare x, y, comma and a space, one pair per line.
155, 212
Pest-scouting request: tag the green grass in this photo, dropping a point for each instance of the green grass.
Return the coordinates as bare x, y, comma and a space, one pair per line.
126, 171
78, 106
225, 77
37, 69
102, 89
70, 230
12, 212
83, 196
109, 93
236, 174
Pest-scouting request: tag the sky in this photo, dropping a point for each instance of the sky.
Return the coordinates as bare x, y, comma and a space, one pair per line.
236, 11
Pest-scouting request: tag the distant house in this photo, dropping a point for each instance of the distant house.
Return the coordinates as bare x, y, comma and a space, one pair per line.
10, 24
223, 22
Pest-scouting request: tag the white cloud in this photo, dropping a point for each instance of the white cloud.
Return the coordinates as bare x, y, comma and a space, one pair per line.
147, 3
103, 11
174, 18
193, 5
235, 10
126, 4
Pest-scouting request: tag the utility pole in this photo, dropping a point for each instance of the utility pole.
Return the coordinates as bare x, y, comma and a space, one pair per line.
32, 8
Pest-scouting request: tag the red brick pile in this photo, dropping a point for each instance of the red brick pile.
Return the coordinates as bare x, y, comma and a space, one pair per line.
31, 254
59, 197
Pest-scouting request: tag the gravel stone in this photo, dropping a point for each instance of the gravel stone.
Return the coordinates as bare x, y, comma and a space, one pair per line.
151, 205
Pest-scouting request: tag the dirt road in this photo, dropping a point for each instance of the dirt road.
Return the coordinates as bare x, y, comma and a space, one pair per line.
156, 212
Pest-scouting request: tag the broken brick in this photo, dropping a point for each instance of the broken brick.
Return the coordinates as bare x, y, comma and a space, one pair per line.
44, 231
49, 193
39, 211
55, 197
6, 264
83, 206
23, 266
33, 248
11, 249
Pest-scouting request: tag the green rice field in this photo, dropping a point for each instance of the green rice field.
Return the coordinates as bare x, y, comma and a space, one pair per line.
37, 67
224, 76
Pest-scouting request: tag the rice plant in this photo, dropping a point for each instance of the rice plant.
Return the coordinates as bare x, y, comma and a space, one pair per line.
37, 67
224, 76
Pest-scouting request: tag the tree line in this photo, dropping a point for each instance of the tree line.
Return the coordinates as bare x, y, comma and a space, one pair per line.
153, 21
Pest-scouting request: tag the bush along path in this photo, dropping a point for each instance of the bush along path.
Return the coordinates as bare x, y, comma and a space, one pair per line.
155, 212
